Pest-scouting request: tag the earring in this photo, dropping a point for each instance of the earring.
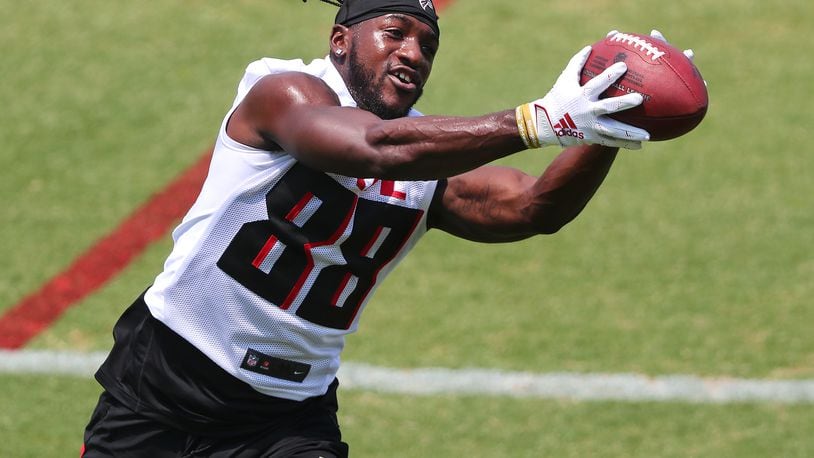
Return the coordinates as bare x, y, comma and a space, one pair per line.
338, 52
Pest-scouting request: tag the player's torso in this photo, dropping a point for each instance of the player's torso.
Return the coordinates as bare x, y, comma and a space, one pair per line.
275, 261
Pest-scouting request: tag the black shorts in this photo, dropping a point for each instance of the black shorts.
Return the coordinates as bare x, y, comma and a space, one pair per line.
163, 397
116, 431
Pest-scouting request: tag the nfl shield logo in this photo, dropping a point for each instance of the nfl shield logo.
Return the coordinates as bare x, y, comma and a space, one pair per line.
251, 360
426, 4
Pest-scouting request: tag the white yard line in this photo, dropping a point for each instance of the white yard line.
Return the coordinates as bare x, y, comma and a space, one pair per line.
490, 382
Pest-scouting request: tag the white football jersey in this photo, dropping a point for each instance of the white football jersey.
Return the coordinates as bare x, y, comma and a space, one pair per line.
275, 261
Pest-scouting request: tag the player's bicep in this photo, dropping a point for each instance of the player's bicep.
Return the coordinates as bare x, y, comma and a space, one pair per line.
488, 204
301, 115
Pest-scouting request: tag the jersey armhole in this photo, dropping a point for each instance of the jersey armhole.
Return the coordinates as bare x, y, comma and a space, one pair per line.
435, 204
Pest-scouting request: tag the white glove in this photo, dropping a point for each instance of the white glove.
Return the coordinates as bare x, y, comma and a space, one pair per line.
571, 114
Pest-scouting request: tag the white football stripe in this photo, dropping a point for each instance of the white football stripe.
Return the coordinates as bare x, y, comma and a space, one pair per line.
576, 386
489, 382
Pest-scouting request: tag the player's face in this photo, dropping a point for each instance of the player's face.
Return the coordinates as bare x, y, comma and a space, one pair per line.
390, 59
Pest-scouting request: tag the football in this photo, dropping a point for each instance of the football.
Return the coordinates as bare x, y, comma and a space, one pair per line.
675, 95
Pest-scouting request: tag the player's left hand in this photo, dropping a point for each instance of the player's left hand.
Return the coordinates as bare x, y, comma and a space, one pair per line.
573, 114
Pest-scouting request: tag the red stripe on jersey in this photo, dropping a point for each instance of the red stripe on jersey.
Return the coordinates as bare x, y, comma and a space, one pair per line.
300, 205
340, 290
372, 241
261, 256
388, 188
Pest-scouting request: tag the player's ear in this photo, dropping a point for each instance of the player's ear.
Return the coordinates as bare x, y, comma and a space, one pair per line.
340, 41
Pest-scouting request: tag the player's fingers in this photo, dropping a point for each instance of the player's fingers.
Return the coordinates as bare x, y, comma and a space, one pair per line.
602, 81
626, 144
690, 54
618, 143
614, 104
574, 67
630, 145
609, 127
658, 35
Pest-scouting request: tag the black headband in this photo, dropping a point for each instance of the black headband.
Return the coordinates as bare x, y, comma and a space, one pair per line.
355, 11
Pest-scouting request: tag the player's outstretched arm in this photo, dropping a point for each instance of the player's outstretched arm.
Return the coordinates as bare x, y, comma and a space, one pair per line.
300, 114
501, 204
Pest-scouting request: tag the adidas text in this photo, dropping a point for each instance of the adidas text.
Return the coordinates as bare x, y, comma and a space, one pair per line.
569, 133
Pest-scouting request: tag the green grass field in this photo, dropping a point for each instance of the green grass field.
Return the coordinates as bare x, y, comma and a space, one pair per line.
696, 256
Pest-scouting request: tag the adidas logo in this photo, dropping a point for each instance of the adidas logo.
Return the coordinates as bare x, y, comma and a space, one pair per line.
567, 128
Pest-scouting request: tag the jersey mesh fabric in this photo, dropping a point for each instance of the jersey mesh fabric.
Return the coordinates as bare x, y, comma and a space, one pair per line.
223, 317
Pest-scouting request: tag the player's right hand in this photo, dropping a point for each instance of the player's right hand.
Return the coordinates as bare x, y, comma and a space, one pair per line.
571, 114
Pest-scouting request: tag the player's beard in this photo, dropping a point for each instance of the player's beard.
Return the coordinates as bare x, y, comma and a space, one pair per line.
368, 93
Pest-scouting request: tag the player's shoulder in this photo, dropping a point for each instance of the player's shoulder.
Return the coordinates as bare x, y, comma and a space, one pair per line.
293, 87
290, 81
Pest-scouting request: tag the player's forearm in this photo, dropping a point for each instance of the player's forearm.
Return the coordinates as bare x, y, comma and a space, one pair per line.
434, 147
569, 182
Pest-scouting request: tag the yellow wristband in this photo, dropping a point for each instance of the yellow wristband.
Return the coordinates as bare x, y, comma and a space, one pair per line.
527, 126
531, 126
521, 126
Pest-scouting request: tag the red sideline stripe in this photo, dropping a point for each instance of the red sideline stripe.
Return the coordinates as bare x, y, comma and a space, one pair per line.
108, 256
104, 260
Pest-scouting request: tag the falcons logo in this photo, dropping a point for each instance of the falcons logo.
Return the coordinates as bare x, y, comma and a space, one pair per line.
426, 4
